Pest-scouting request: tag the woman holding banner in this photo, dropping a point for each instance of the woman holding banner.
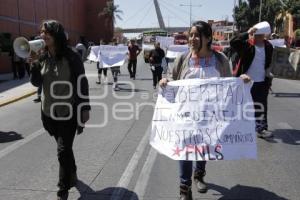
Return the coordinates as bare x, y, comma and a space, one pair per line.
60, 71
200, 62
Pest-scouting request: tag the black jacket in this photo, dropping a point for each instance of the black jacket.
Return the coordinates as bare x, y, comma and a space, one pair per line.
76, 69
246, 52
157, 55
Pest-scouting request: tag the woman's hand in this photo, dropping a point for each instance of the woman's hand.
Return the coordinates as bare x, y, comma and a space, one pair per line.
245, 78
163, 82
32, 58
252, 30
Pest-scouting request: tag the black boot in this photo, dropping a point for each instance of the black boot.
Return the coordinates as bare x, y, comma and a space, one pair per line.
185, 192
62, 194
199, 181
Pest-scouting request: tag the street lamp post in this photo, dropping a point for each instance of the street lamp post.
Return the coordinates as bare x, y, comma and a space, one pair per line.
190, 5
260, 5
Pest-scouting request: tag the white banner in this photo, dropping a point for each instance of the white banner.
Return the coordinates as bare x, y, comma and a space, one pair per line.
175, 50
205, 119
165, 42
286, 63
93, 56
112, 56
278, 43
148, 46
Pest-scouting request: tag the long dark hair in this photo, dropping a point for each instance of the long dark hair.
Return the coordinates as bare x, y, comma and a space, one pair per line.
204, 29
56, 30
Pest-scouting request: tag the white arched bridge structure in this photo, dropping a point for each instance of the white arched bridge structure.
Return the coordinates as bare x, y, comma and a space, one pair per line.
160, 23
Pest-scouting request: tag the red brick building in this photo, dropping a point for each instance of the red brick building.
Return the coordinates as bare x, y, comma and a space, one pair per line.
79, 17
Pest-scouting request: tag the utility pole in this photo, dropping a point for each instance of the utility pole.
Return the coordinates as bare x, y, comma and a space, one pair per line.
190, 5
260, 5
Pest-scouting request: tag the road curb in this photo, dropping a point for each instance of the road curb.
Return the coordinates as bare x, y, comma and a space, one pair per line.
14, 99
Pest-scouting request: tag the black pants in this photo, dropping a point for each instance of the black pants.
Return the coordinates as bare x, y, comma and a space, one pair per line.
64, 133
259, 92
101, 69
132, 68
156, 74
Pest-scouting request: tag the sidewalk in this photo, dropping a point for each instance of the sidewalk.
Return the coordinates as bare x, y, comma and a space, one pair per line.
14, 90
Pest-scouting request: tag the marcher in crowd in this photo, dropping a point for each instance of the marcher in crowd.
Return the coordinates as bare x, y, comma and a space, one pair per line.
255, 54
59, 63
38, 94
115, 71
81, 50
155, 58
133, 51
200, 62
101, 69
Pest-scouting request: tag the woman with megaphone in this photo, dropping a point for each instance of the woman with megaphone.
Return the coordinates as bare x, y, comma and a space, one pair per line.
65, 108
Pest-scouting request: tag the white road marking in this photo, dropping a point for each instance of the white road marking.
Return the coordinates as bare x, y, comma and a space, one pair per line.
20, 143
141, 184
130, 169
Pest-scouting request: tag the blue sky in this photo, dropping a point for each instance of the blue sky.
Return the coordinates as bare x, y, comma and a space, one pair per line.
141, 13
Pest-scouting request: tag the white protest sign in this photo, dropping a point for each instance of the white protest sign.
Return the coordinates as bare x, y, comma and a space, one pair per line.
93, 56
205, 119
277, 43
286, 63
175, 50
148, 46
112, 56
165, 42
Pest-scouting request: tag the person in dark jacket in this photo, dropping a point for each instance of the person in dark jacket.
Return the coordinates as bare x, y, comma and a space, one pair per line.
255, 54
59, 70
155, 58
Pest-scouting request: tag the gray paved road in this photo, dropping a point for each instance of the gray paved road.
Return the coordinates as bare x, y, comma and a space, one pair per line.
116, 162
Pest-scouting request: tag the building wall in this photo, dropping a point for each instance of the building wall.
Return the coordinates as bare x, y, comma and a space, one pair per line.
79, 17
98, 27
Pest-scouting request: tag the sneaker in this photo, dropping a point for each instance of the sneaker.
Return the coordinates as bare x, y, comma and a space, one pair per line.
62, 195
199, 181
154, 87
265, 134
98, 82
116, 88
38, 99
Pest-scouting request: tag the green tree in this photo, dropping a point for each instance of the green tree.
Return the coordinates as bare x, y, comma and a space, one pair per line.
111, 12
246, 13
293, 6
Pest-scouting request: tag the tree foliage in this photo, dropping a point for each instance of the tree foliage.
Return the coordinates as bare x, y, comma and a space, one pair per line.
111, 11
246, 13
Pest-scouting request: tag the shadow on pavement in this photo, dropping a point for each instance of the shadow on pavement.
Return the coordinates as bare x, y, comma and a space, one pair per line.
288, 136
281, 94
87, 193
9, 84
241, 192
9, 136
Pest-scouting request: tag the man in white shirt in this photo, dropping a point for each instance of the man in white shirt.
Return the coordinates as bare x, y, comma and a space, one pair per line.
255, 54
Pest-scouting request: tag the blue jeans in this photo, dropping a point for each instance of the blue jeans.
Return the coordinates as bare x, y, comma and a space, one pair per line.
186, 170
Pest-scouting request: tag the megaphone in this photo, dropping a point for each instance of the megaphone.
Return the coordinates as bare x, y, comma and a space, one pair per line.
23, 47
